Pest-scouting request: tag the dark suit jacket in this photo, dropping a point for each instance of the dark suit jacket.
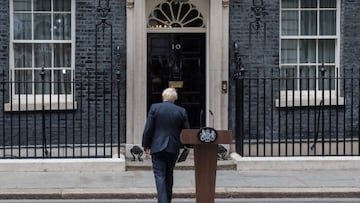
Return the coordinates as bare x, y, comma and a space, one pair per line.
163, 126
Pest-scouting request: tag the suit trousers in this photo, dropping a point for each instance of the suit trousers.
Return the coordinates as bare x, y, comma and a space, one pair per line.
163, 167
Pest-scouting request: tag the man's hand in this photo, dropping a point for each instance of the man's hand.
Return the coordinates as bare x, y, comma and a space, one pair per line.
147, 150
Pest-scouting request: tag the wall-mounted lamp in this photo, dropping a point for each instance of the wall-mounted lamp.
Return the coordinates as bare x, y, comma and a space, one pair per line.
117, 50
236, 45
130, 3
237, 59
224, 86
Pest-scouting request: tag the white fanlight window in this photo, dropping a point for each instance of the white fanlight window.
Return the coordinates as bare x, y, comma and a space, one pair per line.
309, 47
175, 14
41, 50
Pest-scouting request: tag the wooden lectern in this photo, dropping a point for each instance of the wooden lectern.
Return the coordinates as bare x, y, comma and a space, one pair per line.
205, 157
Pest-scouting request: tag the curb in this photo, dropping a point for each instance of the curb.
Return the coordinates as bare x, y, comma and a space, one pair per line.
143, 193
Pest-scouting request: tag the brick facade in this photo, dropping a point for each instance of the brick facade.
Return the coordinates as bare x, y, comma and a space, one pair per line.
80, 125
259, 50
260, 54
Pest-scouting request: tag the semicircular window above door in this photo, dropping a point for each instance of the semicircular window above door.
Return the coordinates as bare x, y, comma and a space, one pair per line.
175, 14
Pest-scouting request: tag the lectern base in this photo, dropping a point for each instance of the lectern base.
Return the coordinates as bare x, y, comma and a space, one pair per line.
205, 157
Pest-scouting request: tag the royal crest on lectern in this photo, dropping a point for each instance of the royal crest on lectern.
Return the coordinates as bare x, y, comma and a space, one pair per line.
207, 135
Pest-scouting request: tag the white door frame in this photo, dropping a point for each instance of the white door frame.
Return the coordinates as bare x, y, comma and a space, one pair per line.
216, 13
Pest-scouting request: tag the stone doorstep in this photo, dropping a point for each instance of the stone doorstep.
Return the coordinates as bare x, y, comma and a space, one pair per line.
186, 165
132, 165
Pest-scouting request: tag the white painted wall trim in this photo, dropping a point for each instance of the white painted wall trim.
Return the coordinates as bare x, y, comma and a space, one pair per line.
135, 71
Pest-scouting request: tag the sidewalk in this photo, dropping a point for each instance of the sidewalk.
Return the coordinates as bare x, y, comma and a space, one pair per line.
140, 184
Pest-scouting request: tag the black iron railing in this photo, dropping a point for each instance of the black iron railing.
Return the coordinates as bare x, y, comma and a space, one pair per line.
297, 114
78, 118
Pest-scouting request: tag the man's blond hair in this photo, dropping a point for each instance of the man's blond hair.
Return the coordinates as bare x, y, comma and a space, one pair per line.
169, 94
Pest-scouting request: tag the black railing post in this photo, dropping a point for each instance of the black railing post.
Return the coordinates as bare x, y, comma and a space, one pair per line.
44, 150
320, 112
239, 99
2, 89
118, 80
323, 70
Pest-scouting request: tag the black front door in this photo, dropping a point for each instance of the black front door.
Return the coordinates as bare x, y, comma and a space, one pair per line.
178, 60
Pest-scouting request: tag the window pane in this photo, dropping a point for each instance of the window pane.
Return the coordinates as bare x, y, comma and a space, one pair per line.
288, 75
327, 3
42, 5
42, 26
289, 23
22, 5
62, 5
308, 3
62, 82
42, 54
326, 51
62, 27
327, 23
22, 55
62, 55
42, 86
22, 26
328, 81
23, 82
308, 22
308, 51
308, 76
288, 51
290, 3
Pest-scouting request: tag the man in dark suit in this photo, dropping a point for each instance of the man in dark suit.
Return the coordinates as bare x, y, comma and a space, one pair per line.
162, 138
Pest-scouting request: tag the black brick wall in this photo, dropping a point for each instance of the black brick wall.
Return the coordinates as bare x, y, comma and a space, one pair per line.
98, 103
260, 56
259, 53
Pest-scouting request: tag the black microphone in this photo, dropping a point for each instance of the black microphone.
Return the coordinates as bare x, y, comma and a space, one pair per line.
211, 113
201, 118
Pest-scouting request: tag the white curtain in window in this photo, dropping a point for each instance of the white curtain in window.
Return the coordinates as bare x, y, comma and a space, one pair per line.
22, 26
326, 51
62, 5
327, 3
43, 55
62, 27
290, 3
308, 3
23, 55
327, 23
23, 82
42, 86
42, 26
62, 60
307, 51
288, 51
42, 5
288, 75
308, 22
62, 82
308, 76
289, 23
328, 80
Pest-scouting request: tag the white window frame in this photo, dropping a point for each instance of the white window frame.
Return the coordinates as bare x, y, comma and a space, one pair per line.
33, 102
297, 97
